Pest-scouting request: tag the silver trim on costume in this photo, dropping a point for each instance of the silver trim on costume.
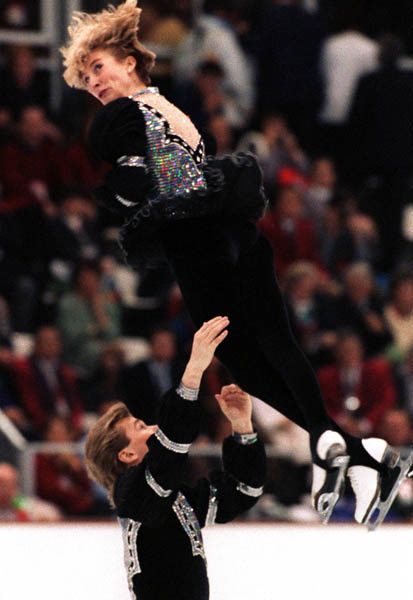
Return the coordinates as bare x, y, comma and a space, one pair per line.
245, 439
124, 201
212, 506
248, 490
158, 489
170, 445
187, 393
130, 529
189, 522
133, 161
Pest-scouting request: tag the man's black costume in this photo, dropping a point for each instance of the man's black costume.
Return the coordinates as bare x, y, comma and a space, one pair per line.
162, 519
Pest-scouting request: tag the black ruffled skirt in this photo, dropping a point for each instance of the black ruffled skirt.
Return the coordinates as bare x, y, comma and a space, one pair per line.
234, 192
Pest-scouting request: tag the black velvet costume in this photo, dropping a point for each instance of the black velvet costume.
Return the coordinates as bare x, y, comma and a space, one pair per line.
203, 225
162, 519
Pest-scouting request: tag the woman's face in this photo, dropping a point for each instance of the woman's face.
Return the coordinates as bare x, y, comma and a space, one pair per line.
108, 78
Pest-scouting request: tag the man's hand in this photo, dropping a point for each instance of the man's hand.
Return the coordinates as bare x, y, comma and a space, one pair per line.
237, 407
206, 341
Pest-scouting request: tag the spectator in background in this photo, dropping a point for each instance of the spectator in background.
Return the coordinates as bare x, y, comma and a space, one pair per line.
345, 57
360, 308
70, 226
222, 133
163, 30
30, 167
346, 237
46, 385
288, 52
144, 383
204, 97
62, 478
404, 380
213, 38
395, 427
9, 394
16, 507
288, 481
321, 188
104, 387
87, 319
357, 392
276, 147
290, 232
398, 313
381, 138
22, 83
311, 312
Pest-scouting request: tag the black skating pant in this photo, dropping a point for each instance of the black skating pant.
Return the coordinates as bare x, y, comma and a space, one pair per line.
225, 267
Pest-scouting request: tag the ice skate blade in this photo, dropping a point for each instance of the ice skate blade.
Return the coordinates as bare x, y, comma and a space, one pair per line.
333, 486
404, 465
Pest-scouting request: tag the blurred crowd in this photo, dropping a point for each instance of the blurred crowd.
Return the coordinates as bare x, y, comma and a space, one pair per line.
327, 106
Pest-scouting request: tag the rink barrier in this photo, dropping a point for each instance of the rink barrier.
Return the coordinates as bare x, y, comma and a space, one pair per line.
27, 452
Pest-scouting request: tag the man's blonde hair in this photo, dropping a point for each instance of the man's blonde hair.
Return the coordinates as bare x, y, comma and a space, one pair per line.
113, 29
104, 442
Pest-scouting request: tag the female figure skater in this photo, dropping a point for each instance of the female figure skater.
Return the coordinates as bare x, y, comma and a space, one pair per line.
198, 213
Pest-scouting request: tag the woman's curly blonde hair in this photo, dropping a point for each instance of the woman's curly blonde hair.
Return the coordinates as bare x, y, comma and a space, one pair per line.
114, 29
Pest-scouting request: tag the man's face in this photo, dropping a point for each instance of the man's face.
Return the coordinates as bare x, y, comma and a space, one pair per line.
138, 434
106, 77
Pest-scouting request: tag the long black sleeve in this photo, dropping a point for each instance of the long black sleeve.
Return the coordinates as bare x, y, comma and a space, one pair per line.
118, 136
233, 490
146, 492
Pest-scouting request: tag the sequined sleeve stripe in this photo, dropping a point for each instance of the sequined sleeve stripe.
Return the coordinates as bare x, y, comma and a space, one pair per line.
249, 490
133, 161
124, 201
170, 445
212, 506
155, 486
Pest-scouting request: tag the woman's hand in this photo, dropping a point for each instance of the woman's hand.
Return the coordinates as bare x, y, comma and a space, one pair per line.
206, 341
237, 407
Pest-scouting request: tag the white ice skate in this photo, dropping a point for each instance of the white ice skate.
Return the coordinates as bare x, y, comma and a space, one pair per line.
328, 484
374, 492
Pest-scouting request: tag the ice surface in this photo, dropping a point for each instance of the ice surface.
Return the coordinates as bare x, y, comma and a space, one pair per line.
263, 562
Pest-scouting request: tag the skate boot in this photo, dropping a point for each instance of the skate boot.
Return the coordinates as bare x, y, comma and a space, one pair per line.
375, 491
328, 482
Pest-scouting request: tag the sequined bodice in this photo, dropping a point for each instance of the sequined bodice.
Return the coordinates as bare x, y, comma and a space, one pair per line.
175, 148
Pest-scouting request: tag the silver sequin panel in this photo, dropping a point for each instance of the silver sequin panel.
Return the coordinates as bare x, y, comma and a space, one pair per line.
175, 165
130, 529
189, 522
212, 506
179, 124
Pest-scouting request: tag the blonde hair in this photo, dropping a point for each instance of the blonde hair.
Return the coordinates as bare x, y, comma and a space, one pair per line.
113, 29
104, 442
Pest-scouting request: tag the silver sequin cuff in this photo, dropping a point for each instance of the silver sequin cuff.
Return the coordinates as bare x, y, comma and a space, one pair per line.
245, 438
132, 161
155, 486
187, 393
170, 445
249, 490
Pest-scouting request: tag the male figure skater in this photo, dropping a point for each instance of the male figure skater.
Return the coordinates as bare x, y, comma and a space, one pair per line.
141, 467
